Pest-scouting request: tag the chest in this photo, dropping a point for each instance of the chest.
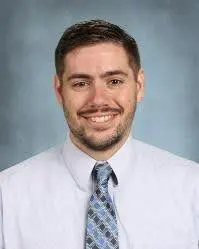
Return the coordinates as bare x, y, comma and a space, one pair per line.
57, 219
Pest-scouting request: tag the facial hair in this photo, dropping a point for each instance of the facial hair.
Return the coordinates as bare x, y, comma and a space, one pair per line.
100, 144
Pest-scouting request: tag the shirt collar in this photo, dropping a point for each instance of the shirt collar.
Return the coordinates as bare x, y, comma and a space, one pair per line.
123, 161
81, 164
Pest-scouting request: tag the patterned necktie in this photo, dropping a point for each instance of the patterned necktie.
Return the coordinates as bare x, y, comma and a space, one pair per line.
102, 232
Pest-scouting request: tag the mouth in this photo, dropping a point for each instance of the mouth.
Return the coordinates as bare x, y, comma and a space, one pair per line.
100, 119
103, 120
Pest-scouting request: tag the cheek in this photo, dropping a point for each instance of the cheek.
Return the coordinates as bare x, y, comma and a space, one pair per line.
126, 98
73, 101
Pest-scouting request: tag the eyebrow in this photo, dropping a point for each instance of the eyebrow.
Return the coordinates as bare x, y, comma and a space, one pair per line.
112, 73
104, 75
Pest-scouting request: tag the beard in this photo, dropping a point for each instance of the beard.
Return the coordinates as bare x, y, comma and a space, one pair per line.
100, 143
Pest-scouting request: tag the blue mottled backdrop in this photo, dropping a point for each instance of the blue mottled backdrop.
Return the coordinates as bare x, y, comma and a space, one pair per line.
168, 36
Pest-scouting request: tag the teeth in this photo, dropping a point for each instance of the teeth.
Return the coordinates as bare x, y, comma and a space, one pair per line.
101, 119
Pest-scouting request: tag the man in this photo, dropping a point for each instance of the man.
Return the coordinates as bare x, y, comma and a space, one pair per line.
102, 188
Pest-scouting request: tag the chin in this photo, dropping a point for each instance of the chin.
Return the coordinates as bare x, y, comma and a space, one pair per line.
100, 141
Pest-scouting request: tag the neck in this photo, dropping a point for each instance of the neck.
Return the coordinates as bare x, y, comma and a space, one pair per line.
99, 155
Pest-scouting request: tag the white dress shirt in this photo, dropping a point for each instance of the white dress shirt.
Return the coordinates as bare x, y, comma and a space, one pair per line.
44, 199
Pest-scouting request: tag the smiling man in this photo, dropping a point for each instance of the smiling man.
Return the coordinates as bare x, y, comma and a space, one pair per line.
98, 91
102, 189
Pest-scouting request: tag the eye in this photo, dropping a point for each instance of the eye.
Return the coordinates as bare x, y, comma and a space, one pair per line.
80, 84
115, 82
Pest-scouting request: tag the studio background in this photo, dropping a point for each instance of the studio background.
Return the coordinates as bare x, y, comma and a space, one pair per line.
168, 37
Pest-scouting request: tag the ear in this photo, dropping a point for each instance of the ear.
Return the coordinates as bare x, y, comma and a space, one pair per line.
140, 85
58, 89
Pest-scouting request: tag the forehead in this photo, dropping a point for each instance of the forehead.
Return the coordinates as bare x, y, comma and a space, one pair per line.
97, 58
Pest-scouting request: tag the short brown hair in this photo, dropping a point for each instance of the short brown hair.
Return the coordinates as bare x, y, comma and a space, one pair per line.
94, 32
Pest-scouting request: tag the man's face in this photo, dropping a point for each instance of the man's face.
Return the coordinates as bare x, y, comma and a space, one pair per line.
99, 93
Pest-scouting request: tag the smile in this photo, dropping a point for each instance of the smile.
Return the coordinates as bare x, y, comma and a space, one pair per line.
100, 119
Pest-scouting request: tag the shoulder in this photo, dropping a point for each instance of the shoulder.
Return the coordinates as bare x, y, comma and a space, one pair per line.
166, 162
171, 174
160, 155
45, 161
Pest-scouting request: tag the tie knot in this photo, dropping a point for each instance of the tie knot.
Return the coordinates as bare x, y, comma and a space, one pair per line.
102, 173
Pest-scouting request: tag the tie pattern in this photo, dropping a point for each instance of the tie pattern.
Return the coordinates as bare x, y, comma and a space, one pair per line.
102, 232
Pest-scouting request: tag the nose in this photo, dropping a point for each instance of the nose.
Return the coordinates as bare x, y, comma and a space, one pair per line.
98, 95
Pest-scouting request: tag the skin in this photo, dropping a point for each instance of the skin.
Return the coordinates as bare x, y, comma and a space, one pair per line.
98, 81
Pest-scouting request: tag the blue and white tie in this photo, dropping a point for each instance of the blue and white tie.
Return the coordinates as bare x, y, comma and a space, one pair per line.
102, 231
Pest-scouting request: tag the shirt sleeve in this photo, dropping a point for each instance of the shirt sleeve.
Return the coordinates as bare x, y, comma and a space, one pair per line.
197, 211
196, 206
1, 222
